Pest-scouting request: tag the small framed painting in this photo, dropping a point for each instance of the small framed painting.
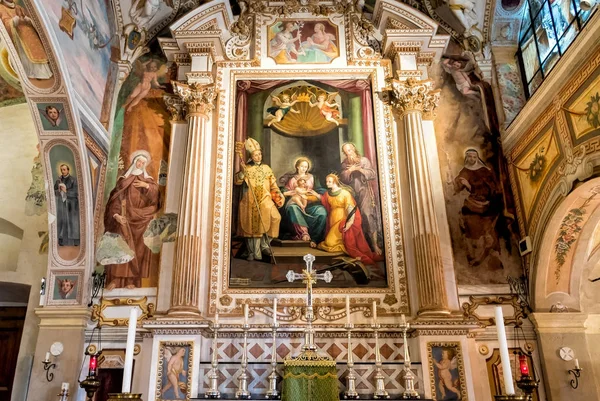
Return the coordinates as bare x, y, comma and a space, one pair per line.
447, 371
174, 375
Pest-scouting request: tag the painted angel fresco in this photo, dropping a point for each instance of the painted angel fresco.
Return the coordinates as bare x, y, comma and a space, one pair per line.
283, 105
52, 117
149, 73
283, 47
176, 373
327, 105
461, 67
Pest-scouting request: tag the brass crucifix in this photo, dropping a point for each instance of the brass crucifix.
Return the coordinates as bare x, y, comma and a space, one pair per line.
309, 277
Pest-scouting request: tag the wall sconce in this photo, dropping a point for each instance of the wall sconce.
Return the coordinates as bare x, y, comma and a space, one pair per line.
576, 373
55, 349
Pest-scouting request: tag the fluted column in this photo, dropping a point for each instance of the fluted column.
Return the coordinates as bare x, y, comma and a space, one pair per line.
194, 209
412, 98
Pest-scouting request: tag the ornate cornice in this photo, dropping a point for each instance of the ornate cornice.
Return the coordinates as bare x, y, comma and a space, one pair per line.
198, 99
414, 95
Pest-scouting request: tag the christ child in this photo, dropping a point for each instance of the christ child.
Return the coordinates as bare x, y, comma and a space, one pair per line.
300, 194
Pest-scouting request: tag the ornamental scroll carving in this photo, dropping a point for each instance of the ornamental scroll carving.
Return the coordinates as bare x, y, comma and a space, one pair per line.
414, 95
174, 107
197, 98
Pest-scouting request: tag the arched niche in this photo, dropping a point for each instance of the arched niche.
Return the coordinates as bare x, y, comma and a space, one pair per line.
569, 252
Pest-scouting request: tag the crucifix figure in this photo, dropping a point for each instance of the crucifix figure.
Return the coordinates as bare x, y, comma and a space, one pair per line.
309, 277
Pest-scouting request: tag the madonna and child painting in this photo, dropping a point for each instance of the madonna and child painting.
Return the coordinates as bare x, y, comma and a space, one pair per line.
306, 181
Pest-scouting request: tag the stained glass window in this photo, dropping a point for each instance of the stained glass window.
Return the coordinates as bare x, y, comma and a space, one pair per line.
548, 29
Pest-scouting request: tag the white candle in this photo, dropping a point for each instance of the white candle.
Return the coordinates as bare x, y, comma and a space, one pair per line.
128, 366
509, 388
42, 299
347, 309
274, 311
217, 316
576, 363
65, 386
47, 357
245, 314
374, 312
403, 319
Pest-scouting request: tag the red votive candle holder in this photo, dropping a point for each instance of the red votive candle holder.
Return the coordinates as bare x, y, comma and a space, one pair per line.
523, 365
93, 364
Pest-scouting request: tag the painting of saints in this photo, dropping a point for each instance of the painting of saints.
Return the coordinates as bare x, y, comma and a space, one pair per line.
319, 47
480, 211
302, 223
131, 206
446, 375
259, 218
344, 223
26, 39
283, 44
358, 173
67, 207
176, 374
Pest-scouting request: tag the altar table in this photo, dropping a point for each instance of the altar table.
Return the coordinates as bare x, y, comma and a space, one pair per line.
310, 377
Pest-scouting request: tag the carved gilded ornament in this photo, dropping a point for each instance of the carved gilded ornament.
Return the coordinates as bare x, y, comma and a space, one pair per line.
175, 107
198, 99
414, 95
99, 309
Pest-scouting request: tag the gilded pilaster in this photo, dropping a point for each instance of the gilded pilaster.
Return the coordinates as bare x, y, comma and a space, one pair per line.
411, 100
198, 102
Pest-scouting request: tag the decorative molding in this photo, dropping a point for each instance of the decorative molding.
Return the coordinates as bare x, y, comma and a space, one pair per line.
414, 95
99, 309
175, 107
520, 310
198, 99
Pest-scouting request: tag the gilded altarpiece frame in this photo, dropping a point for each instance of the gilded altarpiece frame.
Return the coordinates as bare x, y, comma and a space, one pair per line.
393, 298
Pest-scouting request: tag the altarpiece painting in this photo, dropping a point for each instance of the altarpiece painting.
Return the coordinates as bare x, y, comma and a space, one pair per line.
306, 180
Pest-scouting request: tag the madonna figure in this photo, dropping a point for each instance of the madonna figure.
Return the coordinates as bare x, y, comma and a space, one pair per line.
305, 223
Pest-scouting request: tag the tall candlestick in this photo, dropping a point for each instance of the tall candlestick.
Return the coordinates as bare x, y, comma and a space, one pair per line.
275, 312
347, 309
245, 314
509, 388
374, 312
128, 366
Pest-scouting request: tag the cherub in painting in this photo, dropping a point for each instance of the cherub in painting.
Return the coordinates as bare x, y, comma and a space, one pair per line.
445, 364
66, 288
175, 368
149, 73
327, 105
461, 68
53, 115
282, 107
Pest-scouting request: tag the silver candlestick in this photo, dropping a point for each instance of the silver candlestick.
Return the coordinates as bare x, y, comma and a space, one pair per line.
272, 393
409, 376
350, 392
242, 391
379, 384
213, 377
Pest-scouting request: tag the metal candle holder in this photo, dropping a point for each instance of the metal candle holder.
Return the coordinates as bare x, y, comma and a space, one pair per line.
242, 391
48, 366
409, 376
575, 381
380, 391
213, 377
64, 394
273, 393
350, 393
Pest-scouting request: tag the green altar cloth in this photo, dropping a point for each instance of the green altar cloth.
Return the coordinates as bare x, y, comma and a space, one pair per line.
310, 377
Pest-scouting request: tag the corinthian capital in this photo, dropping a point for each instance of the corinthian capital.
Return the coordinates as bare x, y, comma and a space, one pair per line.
198, 99
414, 95
175, 107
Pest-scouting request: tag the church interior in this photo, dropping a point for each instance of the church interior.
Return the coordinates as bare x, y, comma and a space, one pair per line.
300, 200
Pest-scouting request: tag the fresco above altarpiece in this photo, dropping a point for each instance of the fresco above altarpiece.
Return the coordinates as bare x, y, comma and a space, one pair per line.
303, 41
306, 180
